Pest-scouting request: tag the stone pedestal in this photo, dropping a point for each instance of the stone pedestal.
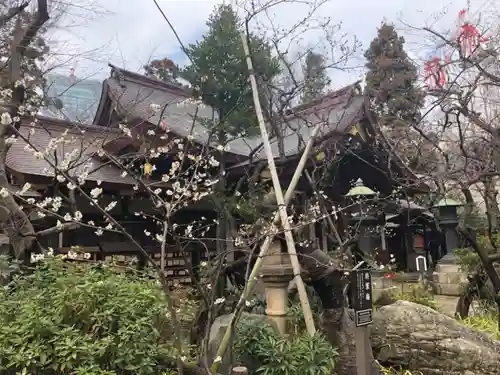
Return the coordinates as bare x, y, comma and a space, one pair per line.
448, 279
276, 274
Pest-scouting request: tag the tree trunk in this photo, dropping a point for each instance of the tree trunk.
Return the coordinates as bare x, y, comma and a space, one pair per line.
13, 220
490, 198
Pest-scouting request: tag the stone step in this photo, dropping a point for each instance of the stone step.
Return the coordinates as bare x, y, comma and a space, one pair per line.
449, 277
447, 305
448, 268
449, 289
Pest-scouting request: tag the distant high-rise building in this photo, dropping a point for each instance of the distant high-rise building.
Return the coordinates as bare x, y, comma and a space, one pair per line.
79, 97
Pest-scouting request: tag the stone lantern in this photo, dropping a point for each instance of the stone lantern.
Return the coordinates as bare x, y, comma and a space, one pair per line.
448, 221
362, 218
276, 274
448, 277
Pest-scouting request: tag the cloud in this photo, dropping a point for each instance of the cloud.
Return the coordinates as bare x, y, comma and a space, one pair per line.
132, 32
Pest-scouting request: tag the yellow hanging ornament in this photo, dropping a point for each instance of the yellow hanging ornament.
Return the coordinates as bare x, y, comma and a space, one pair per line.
320, 156
148, 168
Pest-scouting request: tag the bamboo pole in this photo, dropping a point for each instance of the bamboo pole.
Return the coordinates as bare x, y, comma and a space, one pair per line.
304, 301
263, 250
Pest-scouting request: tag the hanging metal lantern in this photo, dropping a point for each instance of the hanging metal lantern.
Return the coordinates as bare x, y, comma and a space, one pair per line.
360, 196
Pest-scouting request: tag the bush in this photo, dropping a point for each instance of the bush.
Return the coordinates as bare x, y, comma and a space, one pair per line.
83, 319
485, 323
267, 353
418, 293
470, 263
469, 260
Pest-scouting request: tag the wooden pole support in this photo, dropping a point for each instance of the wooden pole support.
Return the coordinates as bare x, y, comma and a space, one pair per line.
280, 200
363, 364
254, 274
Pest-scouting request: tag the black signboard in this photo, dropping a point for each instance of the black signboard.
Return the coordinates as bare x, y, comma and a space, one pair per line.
361, 289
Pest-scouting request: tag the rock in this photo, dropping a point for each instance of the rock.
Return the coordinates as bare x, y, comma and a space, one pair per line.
419, 338
218, 329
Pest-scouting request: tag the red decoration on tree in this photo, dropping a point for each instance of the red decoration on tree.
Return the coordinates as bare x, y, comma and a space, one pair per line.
435, 74
163, 124
469, 37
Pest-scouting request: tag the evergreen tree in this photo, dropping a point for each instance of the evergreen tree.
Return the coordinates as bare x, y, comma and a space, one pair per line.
163, 69
391, 79
315, 77
219, 73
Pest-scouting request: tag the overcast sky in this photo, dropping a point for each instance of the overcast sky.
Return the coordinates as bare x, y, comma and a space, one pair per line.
129, 33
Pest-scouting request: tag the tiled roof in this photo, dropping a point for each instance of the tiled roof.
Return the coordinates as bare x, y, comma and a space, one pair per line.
134, 101
337, 119
134, 95
25, 162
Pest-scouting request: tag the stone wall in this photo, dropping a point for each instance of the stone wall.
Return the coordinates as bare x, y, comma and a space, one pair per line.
449, 280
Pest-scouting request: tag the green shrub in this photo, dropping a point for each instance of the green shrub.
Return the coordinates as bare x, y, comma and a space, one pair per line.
83, 319
417, 293
268, 353
469, 260
485, 323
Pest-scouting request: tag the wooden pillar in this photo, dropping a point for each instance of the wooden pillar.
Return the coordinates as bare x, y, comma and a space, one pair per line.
409, 249
60, 242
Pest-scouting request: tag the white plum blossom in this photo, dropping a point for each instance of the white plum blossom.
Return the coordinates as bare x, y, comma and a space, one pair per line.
4, 193
110, 206
95, 192
78, 216
155, 107
213, 162
11, 140
6, 119
35, 258
25, 188
125, 130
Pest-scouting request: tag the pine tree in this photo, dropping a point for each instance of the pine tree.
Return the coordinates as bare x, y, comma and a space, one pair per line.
391, 79
219, 73
315, 77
